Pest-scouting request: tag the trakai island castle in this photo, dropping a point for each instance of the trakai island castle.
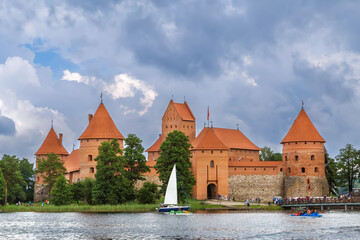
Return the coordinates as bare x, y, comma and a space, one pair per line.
224, 161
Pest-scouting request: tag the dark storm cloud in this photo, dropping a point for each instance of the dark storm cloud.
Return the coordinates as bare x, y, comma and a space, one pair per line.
7, 126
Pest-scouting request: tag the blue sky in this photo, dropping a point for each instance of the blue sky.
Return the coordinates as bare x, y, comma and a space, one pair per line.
252, 62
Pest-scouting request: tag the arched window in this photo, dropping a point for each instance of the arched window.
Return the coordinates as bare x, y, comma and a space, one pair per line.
89, 157
303, 170
280, 169
289, 170
212, 152
211, 163
296, 157
316, 169
312, 157
308, 181
285, 158
91, 170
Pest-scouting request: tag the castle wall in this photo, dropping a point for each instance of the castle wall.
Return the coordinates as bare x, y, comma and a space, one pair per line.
266, 187
243, 155
207, 173
88, 152
300, 186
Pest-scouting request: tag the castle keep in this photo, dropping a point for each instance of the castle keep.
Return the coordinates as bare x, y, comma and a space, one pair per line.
224, 161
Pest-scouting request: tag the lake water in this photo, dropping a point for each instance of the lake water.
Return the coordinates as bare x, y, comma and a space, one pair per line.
233, 225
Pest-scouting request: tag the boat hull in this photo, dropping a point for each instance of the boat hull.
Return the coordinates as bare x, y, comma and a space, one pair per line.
173, 208
306, 215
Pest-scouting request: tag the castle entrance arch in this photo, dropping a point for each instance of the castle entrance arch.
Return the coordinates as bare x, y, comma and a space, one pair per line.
211, 191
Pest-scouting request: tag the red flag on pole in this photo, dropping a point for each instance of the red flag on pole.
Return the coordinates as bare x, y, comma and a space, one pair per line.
208, 114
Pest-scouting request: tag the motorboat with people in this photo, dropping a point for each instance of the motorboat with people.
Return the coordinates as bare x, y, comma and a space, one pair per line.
171, 196
307, 213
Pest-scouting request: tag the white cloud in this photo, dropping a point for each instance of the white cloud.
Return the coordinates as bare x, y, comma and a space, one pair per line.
18, 71
123, 86
76, 77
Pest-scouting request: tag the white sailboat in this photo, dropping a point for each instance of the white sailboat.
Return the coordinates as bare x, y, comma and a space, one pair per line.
171, 199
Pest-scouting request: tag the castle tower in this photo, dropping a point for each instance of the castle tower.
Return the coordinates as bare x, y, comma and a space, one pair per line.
304, 159
51, 144
101, 128
177, 116
216, 154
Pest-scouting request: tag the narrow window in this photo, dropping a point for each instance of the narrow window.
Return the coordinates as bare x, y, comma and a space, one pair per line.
303, 170
254, 169
312, 157
297, 158
244, 169
91, 170
89, 157
235, 169
308, 181
175, 126
229, 159
316, 169
170, 126
183, 126
211, 163
280, 169
264, 169
38, 179
220, 151
212, 152
289, 170
285, 158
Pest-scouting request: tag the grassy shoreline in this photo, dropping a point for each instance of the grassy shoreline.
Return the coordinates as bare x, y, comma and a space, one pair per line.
131, 208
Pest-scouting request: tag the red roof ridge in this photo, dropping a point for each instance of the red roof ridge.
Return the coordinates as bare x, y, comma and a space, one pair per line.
234, 138
156, 146
207, 139
101, 126
183, 110
52, 144
303, 130
72, 163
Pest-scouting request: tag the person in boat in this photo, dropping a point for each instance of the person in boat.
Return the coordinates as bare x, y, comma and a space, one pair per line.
308, 212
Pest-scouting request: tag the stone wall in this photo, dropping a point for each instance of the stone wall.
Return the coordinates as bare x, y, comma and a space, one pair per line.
41, 193
148, 178
300, 186
266, 187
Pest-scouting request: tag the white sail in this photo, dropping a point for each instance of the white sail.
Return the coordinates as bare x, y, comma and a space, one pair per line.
171, 190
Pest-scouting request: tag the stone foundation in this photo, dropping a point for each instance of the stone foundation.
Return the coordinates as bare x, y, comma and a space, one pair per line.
41, 193
300, 186
266, 187
148, 178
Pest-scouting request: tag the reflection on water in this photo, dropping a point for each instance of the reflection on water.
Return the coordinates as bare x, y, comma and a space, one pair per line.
280, 225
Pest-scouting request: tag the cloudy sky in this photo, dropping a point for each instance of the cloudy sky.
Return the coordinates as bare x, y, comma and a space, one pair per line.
251, 62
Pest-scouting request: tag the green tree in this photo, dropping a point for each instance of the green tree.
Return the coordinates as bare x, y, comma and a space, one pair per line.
134, 160
88, 184
110, 186
331, 173
77, 191
28, 173
266, 154
2, 188
13, 179
50, 168
176, 150
149, 193
61, 194
348, 166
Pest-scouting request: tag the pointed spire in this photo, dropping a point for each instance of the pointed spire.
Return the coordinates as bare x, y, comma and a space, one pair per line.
52, 144
302, 130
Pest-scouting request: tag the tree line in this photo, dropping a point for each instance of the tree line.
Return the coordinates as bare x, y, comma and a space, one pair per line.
117, 173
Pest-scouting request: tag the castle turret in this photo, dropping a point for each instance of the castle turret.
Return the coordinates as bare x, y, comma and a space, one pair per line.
51, 144
101, 128
304, 159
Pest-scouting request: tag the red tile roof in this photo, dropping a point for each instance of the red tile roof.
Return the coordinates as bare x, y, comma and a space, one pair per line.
303, 130
101, 126
52, 144
207, 139
156, 146
184, 111
72, 163
233, 138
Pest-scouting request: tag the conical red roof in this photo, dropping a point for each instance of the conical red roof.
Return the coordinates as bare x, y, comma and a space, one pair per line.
101, 126
303, 130
52, 144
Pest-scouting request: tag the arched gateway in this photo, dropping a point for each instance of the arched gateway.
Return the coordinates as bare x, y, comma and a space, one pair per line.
211, 191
